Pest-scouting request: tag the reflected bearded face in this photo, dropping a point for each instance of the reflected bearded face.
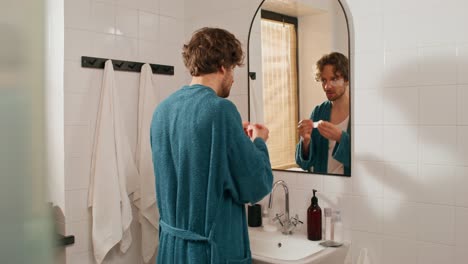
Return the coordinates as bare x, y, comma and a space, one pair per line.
333, 84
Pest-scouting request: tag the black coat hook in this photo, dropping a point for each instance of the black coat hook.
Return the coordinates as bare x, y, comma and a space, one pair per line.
120, 65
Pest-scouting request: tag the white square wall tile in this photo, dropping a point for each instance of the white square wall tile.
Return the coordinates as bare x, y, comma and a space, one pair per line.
299, 200
435, 253
399, 6
337, 185
289, 177
368, 107
103, 17
126, 22
77, 171
368, 71
367, 214
462, 145
438, 144
171, 30
86, 257
400, 251
401, 106
401, 143
79, 80
368, 32
306, 181
172, 8
438, 184
399, 30
438, 65
436, 224
367, 178
363, 7
461, 183
437, 105
400, 219
170, 54
437, 23
401, 67
77, 14
462, 105
82, 231
147, 5
402, 182
77, 44
461, 235
148, 51
77, 141
148, 26
103, 45
77, 206
373, 243
368, 142
462, 63
126, 48
76, 109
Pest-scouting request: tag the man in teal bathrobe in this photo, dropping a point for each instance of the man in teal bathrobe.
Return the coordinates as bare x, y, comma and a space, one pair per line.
207, 163
325, 144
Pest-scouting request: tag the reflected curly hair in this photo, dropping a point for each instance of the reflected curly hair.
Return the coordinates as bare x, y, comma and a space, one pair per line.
339, 62
211, 48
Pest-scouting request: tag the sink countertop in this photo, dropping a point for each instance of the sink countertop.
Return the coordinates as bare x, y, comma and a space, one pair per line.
323, 255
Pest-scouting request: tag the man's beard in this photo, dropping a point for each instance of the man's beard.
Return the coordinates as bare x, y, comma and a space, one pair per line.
225, 88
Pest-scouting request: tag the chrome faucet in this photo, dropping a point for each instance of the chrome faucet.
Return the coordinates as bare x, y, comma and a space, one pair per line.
288, 224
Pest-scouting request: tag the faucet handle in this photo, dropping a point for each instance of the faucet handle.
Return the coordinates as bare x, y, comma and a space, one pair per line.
278, 217
295, 220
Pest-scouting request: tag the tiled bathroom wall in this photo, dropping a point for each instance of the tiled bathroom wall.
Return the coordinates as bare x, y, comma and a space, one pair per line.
406, 199
137, 30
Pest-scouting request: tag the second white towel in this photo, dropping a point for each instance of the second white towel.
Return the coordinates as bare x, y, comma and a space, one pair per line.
145, 196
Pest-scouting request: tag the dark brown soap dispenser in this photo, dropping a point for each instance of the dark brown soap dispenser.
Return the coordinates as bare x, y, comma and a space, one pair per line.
314, 220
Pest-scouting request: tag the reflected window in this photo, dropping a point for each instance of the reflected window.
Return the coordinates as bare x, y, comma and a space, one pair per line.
280, 86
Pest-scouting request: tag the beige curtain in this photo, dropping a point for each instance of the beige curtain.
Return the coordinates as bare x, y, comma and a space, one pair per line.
280, 90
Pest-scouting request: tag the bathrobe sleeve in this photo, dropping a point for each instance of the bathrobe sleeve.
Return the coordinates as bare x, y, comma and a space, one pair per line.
304, 162
307, 162
342, 150
250, 176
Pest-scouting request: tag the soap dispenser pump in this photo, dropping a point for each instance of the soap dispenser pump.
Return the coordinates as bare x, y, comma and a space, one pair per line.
314, 220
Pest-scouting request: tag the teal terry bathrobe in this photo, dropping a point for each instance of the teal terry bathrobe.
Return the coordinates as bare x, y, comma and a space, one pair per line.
206, 169
318, 148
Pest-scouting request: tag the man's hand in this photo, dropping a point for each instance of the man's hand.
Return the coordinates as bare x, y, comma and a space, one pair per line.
329, 131
304, 127
259, 130
247, 130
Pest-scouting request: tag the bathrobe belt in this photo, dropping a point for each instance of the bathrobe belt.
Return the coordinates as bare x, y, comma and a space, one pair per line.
191, 236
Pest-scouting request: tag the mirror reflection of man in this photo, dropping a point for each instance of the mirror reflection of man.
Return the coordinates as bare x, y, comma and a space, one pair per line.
324, 146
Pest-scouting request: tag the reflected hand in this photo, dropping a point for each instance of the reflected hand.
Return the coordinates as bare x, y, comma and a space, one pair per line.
329, 131
304, 128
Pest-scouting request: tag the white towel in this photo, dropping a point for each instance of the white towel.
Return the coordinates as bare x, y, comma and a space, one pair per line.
363, 257
145, 196
112, 163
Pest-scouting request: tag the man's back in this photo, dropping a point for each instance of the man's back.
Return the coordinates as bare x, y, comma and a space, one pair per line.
203, 177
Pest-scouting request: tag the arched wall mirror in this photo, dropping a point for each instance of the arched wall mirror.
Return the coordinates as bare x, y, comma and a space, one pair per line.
286, 39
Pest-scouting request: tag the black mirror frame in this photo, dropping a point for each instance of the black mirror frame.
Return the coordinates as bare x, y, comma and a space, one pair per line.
252, 75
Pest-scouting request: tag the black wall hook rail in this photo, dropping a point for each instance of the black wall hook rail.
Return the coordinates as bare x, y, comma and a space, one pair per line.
120, 65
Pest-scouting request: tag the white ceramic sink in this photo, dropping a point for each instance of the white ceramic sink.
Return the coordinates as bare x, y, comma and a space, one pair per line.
269, 246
